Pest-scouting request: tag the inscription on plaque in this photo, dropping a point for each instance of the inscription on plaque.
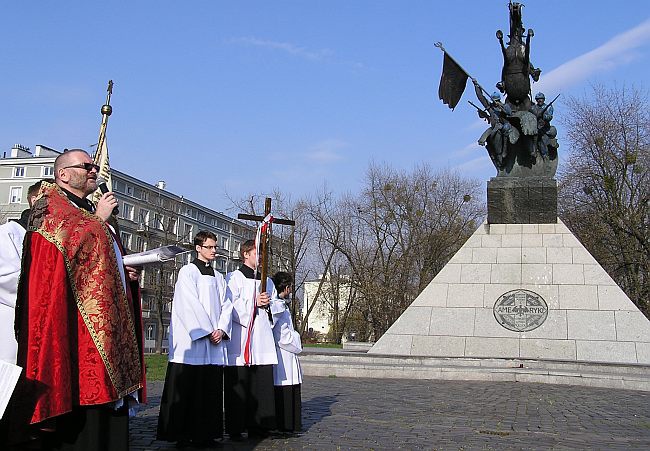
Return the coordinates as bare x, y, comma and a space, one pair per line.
520, 310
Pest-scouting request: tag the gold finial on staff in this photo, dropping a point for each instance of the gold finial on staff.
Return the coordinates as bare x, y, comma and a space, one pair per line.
101, 151
106, 110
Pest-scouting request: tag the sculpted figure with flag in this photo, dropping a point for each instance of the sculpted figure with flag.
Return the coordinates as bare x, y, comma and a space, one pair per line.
512, 140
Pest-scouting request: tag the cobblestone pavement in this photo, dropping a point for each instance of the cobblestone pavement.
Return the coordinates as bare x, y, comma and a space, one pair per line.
342, 413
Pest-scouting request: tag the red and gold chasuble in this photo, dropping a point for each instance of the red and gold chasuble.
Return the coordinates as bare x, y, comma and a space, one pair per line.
77, 332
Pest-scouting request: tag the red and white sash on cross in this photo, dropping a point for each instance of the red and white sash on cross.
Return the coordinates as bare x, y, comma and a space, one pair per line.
261, 229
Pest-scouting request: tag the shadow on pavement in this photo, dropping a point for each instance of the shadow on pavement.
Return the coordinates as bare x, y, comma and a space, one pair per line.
315, 409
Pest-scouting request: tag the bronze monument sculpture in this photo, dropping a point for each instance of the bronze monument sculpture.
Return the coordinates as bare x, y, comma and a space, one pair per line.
520, 139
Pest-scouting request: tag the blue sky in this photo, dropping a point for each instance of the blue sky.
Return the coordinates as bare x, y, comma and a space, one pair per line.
245, 96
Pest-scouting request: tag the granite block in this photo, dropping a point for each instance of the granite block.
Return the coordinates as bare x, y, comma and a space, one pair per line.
612, 297
591, 325
548, 349
438, 346
564, 274
506, 273
606, 351
491, 347
632, 326
475, 273
578, 297
433, 295
414, 321
536, 274
533, 255
452, 321
465, 295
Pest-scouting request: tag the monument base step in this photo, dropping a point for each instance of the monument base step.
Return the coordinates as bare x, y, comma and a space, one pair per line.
606, 375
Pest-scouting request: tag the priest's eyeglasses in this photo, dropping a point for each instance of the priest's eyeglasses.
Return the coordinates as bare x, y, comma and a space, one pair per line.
209, 247
87, 166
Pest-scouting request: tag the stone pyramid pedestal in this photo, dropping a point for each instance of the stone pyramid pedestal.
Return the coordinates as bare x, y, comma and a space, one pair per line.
522, 291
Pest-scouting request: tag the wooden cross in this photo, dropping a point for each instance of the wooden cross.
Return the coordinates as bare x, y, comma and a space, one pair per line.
265, 238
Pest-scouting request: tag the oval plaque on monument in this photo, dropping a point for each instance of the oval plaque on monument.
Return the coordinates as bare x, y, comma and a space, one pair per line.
520, 310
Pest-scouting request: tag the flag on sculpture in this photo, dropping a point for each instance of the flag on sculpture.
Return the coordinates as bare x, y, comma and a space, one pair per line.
452, 82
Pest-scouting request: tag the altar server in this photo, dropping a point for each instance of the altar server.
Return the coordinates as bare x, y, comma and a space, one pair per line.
287, 375
191, 407
248, 380
12, 234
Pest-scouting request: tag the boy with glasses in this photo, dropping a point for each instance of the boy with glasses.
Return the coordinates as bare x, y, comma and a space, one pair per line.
191, 407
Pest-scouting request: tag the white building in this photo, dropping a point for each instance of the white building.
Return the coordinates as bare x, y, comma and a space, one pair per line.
325, 306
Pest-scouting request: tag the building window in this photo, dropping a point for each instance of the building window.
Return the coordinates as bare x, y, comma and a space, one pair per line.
173, 225
118, 186
224, 243
127, 211
144, 218
201, 217
48, 171
126, 239
15, 194
158, 219
151, 332
140, 244
129, 190
19, 171
187, 232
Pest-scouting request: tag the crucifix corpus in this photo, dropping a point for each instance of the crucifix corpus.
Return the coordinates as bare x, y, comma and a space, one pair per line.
265, 237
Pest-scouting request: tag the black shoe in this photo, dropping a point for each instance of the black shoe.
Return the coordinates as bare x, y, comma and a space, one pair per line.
207, 443
258, 433
236, 437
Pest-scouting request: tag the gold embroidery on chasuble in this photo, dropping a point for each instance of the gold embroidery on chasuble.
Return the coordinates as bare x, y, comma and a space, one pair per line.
96, 284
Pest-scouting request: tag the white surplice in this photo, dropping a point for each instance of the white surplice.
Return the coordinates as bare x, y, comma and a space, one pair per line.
199, 308
288, 346
11, 251
241, 291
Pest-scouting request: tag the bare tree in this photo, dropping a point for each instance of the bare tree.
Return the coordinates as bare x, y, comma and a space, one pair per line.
328, 224
382, 247
605, 184
410, 224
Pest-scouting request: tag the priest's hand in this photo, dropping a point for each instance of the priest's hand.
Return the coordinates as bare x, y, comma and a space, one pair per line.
133, 272
105, 206
215, 336
263, 299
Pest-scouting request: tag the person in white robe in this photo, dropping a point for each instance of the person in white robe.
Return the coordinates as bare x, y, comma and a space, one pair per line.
201, 322
11, 250
12, 234
248, 380
287, 375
